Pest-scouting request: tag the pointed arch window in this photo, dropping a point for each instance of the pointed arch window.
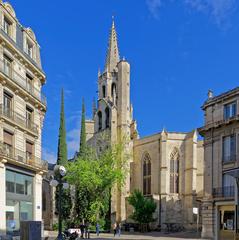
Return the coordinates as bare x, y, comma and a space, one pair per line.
100, 120
174, 171
113, 90
146, 174
103, 91
107, 117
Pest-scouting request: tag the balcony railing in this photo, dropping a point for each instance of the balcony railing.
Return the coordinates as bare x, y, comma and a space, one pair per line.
19, 119
22, 157
224, 192
21, 81
19, 48
229, 159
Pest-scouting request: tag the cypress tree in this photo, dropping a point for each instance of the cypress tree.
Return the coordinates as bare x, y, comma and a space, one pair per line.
62, 147
82, 149
62, 160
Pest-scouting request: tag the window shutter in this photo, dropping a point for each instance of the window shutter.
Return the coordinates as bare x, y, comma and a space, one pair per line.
29, 147
8, 138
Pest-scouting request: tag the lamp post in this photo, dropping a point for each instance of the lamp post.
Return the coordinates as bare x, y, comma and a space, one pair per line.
57, 181
235, 174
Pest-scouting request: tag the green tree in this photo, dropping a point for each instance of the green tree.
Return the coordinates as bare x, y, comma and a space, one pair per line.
62, 147
143, 207
62, 160
83, 132
96, 174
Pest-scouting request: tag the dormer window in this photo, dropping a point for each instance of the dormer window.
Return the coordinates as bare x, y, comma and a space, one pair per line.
29, 48
7, 26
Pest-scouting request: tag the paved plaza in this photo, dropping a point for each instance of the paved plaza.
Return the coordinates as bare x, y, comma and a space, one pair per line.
146, 236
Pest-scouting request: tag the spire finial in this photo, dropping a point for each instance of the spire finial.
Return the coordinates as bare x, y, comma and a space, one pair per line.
112, 57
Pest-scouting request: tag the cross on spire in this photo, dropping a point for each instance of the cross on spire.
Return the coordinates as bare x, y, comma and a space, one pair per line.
112, 57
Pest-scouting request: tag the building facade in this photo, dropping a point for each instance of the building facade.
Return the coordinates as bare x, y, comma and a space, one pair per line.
168, 167
175, 188
221, 136
22, 110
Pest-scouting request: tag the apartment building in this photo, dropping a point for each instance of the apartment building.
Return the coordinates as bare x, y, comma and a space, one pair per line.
22, 110
221, 138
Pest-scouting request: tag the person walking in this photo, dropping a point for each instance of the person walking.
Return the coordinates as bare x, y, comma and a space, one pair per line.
97, 228
119, 229
115, 228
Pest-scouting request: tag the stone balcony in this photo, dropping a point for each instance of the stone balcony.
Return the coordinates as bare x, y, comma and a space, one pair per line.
14, 156
15, 118
21, 81
218, 124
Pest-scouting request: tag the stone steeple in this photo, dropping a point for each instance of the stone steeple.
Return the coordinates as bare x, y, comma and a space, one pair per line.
112, 57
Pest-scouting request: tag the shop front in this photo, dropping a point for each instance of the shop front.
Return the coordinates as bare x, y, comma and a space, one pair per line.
19, 199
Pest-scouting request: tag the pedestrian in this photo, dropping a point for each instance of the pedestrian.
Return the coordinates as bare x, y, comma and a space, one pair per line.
82, 228
97, 229
115, 228
119, 229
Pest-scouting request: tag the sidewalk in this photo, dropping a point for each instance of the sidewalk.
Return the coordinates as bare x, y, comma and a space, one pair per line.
146, 236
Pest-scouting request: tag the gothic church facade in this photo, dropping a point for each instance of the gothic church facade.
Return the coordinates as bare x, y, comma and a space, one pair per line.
167, 166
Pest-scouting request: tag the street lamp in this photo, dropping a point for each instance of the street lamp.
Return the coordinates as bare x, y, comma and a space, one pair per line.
235, 174
59, 173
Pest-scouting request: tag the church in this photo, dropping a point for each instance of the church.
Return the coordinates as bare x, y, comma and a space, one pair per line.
167, 166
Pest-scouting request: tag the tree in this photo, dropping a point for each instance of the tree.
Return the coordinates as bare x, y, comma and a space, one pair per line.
62, 147
96, 174
62, 160
143, 207
83, 132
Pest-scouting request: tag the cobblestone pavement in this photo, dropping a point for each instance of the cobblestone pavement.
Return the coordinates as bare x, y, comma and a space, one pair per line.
148, 236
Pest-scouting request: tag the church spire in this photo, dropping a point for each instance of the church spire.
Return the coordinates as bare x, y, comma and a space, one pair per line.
112, 57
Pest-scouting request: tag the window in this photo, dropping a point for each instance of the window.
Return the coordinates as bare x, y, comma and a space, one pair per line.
29, 48
174, 171
7, 26
100, 120
230, 110
103, 91
7, 104
107, 117
8, 143
29, 116
113, 92
228, 185
7, 65
229, 148
29, 81
18, 183
146, 174
29, 150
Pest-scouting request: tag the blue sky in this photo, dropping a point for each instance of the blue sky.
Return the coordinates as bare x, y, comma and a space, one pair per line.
178, 49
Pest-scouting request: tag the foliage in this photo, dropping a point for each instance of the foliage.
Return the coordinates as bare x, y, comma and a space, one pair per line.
83, 132
62, 160
143, 207
62, 147
95, 174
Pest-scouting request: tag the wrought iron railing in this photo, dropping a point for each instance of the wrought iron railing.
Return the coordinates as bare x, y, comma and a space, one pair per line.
19, 119
23, 157
230, 158
9, 38
21, 81
224, 192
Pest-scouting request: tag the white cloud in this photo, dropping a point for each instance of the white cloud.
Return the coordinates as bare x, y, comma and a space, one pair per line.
49, 156
73, 141
154, 6
219, 10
